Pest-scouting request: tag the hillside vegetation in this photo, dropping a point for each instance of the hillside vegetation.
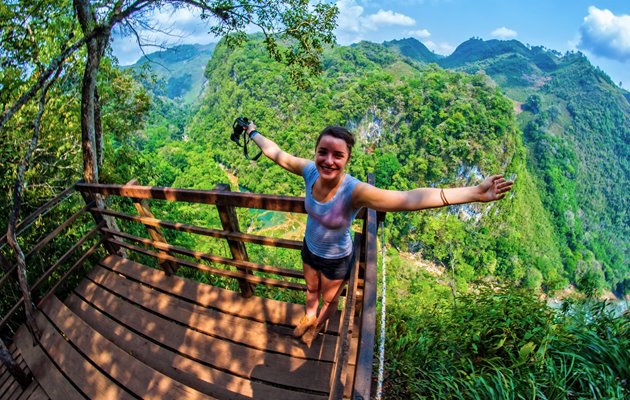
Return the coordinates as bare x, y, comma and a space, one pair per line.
421, 125
576, 128
475, 326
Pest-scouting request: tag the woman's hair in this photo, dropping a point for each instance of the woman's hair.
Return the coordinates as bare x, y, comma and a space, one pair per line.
340, 133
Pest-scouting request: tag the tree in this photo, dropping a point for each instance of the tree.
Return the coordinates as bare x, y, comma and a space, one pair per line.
40, 40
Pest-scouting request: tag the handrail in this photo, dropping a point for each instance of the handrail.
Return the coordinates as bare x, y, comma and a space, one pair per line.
291, 273
216, 271
360, 312
365, 351
217, 233
25, 223
50, 236
216, 197
342, 353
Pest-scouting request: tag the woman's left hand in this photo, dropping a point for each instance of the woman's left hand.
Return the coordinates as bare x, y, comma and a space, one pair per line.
494, 188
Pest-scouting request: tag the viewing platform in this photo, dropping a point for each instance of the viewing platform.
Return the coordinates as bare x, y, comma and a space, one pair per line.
116, 319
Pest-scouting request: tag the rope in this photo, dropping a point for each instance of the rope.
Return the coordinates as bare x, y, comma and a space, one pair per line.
381, 346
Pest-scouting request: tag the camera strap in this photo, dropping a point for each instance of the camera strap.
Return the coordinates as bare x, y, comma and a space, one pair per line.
246, 140
239, 131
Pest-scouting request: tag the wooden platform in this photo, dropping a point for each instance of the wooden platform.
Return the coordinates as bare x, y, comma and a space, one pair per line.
129, 331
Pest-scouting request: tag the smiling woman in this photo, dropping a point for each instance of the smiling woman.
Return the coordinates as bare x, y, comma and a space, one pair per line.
333, 199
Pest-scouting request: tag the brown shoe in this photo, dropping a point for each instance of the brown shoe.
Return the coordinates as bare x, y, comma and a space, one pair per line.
311, 334
305, 323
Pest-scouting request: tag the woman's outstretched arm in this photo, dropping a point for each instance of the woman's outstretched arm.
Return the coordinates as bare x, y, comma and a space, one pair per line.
492, 188
273, 152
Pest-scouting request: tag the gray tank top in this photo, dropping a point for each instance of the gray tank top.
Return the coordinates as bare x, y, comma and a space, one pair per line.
328, 224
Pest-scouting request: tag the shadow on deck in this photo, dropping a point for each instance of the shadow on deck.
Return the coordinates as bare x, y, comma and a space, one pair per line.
129, 330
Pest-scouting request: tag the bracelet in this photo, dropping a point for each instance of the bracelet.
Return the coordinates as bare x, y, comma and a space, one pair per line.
443, 197
253, 133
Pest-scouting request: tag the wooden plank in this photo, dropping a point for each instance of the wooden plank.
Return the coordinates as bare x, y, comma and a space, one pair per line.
292, 273
88, 379
247, 200
258, 335
136, 377
256, 308
180, 366
36, 394
222, 354
216, 233
44, 370
217, 271
10, 389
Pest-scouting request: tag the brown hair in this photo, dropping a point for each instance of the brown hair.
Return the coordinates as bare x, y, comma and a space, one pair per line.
339, 133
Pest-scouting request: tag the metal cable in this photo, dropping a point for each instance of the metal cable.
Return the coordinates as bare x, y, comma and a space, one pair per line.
381, 346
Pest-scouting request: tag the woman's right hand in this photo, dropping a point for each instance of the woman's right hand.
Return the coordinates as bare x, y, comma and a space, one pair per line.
251, 127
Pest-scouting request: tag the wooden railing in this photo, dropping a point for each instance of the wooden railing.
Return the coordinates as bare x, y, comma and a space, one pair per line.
358, 316
9, 270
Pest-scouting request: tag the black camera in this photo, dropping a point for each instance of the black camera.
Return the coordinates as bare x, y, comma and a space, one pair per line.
238, 130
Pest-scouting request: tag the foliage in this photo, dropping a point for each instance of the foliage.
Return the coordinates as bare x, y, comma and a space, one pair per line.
505, 343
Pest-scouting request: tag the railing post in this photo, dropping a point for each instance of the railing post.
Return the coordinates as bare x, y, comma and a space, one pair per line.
365, 350
229, 221
142, 206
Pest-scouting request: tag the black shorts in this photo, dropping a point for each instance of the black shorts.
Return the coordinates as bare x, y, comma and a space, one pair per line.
332, 268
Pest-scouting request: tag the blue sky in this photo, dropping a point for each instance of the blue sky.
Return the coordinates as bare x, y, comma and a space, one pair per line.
599, 29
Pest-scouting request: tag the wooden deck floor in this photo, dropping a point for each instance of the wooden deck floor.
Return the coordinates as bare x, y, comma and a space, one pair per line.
129, 331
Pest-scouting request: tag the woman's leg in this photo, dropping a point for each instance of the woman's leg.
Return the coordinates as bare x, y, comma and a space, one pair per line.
313, 282
330, 290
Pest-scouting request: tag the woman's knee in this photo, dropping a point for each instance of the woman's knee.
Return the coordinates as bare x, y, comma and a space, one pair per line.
312, 287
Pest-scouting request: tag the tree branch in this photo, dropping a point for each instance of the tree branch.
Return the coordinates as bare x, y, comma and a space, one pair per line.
17, 201
56, 65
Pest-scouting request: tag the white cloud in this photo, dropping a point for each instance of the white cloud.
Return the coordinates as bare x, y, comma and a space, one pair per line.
605, 34
349, 14
353, 23
385, 18
443, 48
420, 34
504, 33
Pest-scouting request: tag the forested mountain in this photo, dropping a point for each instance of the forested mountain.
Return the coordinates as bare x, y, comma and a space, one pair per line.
177, 72
576, 127
473, 324
574, 124
420, 125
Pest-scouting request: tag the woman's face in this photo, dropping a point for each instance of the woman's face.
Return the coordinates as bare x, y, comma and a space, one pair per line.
331, 157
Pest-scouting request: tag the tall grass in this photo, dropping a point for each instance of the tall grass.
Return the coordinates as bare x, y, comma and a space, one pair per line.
507, 344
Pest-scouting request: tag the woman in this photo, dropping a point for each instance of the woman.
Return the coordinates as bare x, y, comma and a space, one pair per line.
333, 199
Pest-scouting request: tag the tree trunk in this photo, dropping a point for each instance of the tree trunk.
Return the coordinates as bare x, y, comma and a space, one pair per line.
91, 126
88, 109
98, 129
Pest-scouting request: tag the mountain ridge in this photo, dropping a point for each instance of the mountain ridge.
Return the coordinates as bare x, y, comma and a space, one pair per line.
572, 116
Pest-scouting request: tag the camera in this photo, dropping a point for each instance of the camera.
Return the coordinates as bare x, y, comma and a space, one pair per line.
239, 127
